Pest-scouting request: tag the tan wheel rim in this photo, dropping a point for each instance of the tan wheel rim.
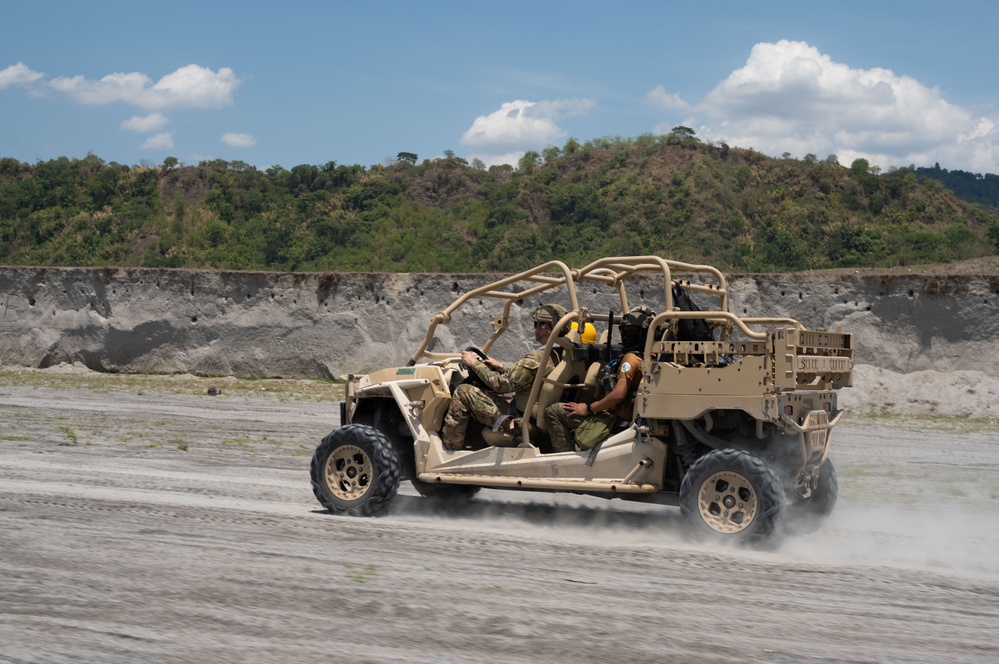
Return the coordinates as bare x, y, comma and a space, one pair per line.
727, 502
348, 472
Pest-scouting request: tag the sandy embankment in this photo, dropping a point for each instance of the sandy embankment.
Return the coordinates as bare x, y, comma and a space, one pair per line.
930, 332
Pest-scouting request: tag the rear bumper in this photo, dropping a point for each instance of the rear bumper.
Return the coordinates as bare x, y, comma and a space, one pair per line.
814, 435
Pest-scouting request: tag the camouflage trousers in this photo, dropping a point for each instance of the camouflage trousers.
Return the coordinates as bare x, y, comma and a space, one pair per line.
562, 428
469, 401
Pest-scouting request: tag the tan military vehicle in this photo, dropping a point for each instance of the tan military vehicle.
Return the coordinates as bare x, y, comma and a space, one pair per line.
733, 426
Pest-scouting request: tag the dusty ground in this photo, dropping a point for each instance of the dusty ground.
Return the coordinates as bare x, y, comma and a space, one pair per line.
143, 520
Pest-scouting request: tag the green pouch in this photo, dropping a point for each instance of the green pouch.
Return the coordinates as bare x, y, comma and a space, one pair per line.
594, 428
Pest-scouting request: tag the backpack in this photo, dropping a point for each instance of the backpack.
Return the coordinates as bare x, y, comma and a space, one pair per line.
690, 329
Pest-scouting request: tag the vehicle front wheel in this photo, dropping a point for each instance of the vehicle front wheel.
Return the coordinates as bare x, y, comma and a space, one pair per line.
731, 494
355, 471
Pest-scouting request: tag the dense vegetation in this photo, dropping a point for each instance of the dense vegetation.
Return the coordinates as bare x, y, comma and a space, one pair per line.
669, 195
974, 187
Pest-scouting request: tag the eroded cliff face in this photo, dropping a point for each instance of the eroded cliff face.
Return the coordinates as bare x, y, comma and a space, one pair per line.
221, 323
326, 325
903, 323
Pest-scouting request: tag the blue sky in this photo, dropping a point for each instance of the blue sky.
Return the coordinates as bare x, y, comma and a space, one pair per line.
293, 83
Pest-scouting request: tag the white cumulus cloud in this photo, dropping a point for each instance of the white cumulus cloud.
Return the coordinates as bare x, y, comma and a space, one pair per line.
789, 97
20, 75
145, 123
239, 140
191, 86
671, 102
161, 141
519, 126
195, 87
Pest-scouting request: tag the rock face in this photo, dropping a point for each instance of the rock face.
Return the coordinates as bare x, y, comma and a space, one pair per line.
217, 323
324, 325
903, 323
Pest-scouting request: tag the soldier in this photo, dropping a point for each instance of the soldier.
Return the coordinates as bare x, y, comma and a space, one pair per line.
584, 425
489, 405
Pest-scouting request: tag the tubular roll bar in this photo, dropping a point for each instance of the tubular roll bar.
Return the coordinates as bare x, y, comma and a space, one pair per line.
491, 291
613, 272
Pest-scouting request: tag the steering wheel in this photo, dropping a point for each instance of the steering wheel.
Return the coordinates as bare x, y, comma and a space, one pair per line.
477, 351
470, 376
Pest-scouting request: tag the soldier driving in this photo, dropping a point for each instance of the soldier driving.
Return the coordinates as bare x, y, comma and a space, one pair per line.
489, 405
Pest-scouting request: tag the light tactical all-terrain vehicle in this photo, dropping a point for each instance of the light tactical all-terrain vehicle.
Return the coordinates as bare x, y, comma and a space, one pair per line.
735, 428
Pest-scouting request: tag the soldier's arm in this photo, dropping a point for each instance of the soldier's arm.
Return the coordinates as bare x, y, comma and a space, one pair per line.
513, 379
609, 400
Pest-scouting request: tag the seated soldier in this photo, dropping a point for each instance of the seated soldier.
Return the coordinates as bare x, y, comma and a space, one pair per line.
584, 425
489, 405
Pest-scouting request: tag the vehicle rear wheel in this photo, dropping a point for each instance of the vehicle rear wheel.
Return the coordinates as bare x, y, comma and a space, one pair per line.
355, 471
808, 513
826, 492
731, 494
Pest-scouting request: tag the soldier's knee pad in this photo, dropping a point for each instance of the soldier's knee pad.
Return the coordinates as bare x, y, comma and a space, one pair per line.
553, 409
465, 393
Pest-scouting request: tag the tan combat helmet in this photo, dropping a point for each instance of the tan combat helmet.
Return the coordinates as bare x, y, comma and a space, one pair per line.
549, 313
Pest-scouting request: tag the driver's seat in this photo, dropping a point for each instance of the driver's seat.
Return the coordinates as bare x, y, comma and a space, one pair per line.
555, 383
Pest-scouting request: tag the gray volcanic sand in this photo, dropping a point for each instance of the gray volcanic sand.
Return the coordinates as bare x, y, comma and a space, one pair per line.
158, 524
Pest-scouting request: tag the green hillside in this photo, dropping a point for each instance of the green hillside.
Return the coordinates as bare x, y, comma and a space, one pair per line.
669, 195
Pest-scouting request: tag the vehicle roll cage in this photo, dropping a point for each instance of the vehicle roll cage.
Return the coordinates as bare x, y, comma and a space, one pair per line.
614, 272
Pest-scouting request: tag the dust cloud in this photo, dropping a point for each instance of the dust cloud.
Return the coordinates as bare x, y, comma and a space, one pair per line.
934, 538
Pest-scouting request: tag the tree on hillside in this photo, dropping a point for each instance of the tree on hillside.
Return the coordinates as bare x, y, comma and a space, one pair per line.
680, 135
527, 163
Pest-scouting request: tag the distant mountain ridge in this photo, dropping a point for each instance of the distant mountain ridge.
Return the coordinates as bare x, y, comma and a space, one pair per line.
972, 187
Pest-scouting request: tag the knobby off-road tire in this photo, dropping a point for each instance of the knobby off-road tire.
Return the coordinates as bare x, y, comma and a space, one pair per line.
824, 496
355, 471
732, 495
384, 415
386, 418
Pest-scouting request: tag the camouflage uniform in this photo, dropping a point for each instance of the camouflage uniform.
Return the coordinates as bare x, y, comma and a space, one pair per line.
561, 425
486, 406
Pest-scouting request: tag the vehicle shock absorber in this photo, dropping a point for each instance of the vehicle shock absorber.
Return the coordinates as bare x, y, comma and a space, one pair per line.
686, 448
